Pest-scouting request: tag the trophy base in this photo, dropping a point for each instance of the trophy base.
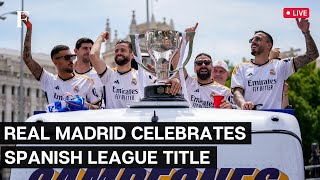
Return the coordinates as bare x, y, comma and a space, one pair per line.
158, 96
160, 92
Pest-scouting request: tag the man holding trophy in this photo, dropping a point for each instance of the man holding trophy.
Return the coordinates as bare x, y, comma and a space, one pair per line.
122, 83
202, 90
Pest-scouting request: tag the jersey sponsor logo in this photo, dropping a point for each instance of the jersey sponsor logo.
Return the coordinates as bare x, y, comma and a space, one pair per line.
116, 82
272, 72
124, 91
76, 89
58, 97
200, 103
262, 85
125, 94
57, 88
134, 81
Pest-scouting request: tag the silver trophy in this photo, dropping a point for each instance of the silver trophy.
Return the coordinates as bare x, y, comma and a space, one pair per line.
162, 46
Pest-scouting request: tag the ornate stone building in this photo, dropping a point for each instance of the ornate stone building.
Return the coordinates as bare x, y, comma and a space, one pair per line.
134, 28
9, 85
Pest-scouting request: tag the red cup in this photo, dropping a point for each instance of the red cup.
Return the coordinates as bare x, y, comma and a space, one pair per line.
217, 101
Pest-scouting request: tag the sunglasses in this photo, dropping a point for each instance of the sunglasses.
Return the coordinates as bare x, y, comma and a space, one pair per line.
200, 62
68, 57
257, 39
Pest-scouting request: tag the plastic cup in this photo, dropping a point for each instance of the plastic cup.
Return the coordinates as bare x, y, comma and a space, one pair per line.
217, 100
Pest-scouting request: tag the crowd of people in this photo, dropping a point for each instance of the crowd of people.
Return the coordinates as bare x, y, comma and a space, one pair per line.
256, 84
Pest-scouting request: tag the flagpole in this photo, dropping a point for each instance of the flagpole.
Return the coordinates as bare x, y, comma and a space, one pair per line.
148, 23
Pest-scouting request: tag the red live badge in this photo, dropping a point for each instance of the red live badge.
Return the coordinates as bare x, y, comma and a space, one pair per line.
296, 12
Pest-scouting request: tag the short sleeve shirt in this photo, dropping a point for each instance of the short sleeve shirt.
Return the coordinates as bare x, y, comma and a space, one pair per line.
201, 96
122, 88
55, 88
263, 84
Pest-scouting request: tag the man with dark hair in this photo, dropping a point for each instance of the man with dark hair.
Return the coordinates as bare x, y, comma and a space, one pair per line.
83, 66
260, 81
202, 88
56, 86
121, 83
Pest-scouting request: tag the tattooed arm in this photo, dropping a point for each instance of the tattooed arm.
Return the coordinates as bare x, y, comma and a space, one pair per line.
33, 66
312, 51
238, 96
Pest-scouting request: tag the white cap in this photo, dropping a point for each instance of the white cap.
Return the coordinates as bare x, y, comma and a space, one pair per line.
220, 63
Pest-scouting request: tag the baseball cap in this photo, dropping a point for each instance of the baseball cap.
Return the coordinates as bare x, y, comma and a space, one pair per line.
220, 63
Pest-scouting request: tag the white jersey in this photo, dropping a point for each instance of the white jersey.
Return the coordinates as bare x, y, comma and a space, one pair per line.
263, 84
201, 96
97, 82
55, 88
122, 88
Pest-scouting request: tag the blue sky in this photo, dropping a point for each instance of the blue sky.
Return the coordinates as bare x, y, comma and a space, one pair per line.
223, 31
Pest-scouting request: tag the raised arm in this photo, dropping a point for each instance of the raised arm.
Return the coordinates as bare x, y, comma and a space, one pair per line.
98, 64
175, 59
33, 66
312, 51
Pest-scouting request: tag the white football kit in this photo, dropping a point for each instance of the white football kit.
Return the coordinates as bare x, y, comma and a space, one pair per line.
97, 82
201, 95
55, 87
263, 84
122, 88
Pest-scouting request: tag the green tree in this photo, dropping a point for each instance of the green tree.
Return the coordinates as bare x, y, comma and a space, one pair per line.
304, 95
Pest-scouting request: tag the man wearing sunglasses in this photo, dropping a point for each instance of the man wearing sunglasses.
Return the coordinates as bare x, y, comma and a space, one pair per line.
83, 66
202, 88
260, 81
121, 83
56, 86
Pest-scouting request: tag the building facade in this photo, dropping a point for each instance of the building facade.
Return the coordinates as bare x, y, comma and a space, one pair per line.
134, 28
33, 98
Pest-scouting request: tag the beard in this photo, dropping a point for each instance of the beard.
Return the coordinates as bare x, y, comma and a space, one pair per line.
258, 50
86, 59
204, 76
122, 62
68, 70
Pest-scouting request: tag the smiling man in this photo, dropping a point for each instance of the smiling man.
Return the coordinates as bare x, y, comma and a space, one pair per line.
56, 86
220, 72
121, 83
260, 81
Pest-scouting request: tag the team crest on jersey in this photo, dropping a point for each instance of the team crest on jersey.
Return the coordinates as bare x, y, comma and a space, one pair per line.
272, 72
134, 81
212, 94
57, 87
76, 89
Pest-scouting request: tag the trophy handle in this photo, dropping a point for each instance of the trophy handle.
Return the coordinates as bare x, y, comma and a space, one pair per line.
134, 50
191, 35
